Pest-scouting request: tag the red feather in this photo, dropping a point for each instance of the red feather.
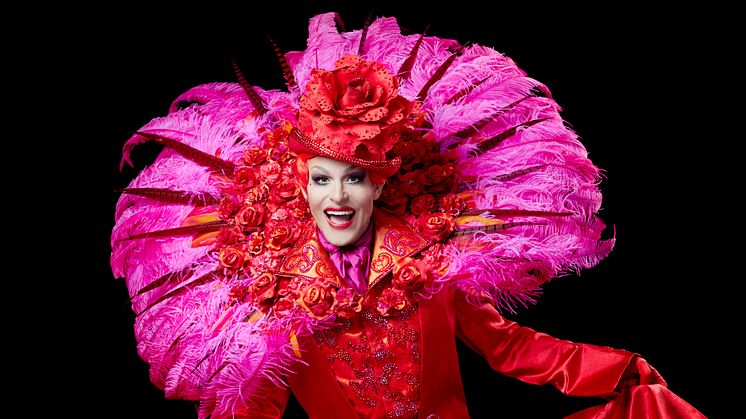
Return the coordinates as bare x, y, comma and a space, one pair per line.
173, 197
197, 156
208, 277
180, 231
253, 96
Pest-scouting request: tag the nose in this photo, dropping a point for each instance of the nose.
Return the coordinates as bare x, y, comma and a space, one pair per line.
338, 193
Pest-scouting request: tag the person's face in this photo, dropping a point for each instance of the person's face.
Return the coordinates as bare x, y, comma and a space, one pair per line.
341, 199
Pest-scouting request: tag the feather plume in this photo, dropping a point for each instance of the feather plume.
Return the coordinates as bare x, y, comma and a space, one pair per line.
180, 231
171, 196
364, 35
166, 279
494, 228
439, 73
515, 213
191, 153
406, 68
286, 72
253, 96
208, 277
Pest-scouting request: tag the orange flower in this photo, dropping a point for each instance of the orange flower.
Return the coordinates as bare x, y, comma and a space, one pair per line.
250, 216
255, 243
228, 208
391, 299
317, 300
410, 274
264, 288
355, 108
422, 203
437, 225
281, 234
254, 156
256, 194
349, 303
232, 257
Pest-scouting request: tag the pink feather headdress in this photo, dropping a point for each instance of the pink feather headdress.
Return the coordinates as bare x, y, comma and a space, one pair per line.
477, 158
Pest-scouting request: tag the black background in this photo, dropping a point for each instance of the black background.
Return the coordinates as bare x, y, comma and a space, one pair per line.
622, 80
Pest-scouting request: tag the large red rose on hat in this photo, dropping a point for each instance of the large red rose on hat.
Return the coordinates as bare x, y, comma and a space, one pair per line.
354, 109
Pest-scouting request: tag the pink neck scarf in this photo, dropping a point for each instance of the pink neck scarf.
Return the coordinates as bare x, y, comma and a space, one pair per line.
352, 261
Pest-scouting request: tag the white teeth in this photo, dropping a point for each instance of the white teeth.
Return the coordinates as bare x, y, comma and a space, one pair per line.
340, 213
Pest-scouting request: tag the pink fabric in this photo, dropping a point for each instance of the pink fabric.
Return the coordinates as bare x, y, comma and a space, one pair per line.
352, 261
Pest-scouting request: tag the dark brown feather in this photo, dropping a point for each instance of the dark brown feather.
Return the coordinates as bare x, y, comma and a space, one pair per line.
180, 231
512, 175
191, 153
516, 213
208, 277
170, 277
340, 22
286, 71
253, 96
475, 127
406, 68
439, 73
494, 228
173, 197
465, 91
493, 142
364, 36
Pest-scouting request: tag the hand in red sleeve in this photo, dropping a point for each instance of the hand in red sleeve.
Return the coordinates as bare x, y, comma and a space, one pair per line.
639, 372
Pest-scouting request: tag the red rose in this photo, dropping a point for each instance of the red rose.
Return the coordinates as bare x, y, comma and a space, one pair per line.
410, 152
249, 216
254, 156
233, 257
286, 190
452, 204
349, 303
436, 259
412, 183
263, 288
255, 243
410, 274
229, 235
281, 234
391, 299
437, 225
439, 177
282, 306
317, 300
270, 172
357, 103
256, 194
244, 178
228, 208
422, 203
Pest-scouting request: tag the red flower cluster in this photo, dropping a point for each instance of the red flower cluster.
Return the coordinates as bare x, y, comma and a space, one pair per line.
263, 207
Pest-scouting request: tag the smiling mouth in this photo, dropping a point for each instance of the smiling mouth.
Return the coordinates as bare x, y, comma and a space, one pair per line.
340, 218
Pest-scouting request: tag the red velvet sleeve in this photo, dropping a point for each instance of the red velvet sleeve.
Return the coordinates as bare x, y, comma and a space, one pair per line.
537, 358
271, 404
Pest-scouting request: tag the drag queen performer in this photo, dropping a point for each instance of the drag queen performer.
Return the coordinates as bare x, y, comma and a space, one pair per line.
333, 240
